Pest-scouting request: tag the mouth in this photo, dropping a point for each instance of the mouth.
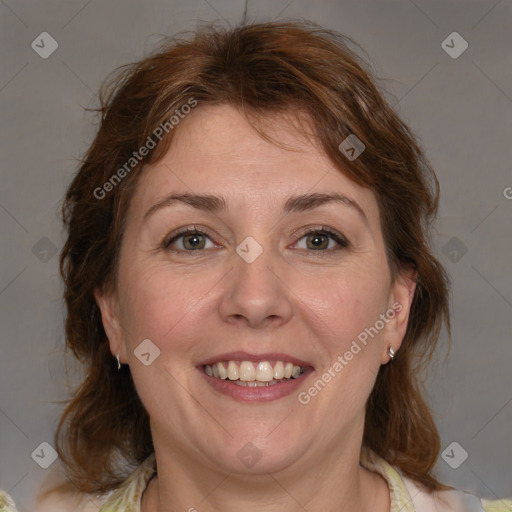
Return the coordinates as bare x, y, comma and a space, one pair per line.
254, 374
251, 377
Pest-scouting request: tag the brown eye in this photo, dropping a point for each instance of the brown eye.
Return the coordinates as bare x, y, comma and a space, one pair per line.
322, 240
188, 241
317, 241
194, 241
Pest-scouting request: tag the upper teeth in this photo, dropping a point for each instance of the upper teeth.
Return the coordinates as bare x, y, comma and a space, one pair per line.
248, 371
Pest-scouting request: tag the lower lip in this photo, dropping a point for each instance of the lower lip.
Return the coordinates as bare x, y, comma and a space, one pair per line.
258, 393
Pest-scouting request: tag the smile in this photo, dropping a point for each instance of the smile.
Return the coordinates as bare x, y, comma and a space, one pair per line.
250, 377
254, 374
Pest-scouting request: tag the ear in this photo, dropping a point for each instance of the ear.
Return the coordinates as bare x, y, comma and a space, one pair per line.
399, 307
107, 301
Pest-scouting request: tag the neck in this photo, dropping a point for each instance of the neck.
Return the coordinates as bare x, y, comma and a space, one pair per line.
338, 483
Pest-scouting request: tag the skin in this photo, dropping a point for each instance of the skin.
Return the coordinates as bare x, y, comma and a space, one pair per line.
306, 302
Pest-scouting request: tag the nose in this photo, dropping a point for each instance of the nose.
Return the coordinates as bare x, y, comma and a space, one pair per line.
255, 294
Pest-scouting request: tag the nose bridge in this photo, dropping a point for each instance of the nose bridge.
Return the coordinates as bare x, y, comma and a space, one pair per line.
254, 294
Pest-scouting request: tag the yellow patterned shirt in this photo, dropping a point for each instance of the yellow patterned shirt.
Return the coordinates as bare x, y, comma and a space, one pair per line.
405, 495
6, 503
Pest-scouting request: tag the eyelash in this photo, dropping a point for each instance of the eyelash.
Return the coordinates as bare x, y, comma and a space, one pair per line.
321, 230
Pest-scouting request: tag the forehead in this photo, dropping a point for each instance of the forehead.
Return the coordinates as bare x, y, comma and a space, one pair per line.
217, 151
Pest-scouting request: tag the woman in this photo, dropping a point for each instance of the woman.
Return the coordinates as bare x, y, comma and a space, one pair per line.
250, 288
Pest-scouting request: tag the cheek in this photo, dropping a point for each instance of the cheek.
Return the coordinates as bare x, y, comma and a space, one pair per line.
161, 306
156, 306
347, 305
350, 338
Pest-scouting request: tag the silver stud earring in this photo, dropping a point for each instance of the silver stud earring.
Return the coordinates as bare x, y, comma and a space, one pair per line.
391, 353
118, 362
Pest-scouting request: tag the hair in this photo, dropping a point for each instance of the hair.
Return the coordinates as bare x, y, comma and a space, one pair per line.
263, 69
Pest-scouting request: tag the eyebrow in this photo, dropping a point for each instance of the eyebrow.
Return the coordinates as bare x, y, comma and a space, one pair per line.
300, 203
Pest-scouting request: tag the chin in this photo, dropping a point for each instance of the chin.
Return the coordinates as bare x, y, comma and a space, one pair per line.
260, 453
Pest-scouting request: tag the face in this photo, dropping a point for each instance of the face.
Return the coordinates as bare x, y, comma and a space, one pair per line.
268, 260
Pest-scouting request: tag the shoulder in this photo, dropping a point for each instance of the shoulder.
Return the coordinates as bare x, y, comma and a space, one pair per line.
67, 501
408, 496
452, 500
497, 506
6, 503
57, 494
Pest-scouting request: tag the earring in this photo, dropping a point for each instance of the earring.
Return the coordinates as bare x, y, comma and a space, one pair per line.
118, 362
391, 353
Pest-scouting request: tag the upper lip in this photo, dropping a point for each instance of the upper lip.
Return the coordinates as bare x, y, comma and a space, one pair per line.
255, 358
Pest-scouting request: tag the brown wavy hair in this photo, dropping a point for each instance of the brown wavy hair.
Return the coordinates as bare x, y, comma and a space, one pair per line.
263, 69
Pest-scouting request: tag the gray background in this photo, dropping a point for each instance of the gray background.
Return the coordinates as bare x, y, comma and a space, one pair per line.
461, 108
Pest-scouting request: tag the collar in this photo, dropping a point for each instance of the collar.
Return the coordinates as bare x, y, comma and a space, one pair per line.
399, 496
128, 496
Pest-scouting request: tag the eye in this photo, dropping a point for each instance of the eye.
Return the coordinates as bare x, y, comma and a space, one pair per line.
322, 239
188, 240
